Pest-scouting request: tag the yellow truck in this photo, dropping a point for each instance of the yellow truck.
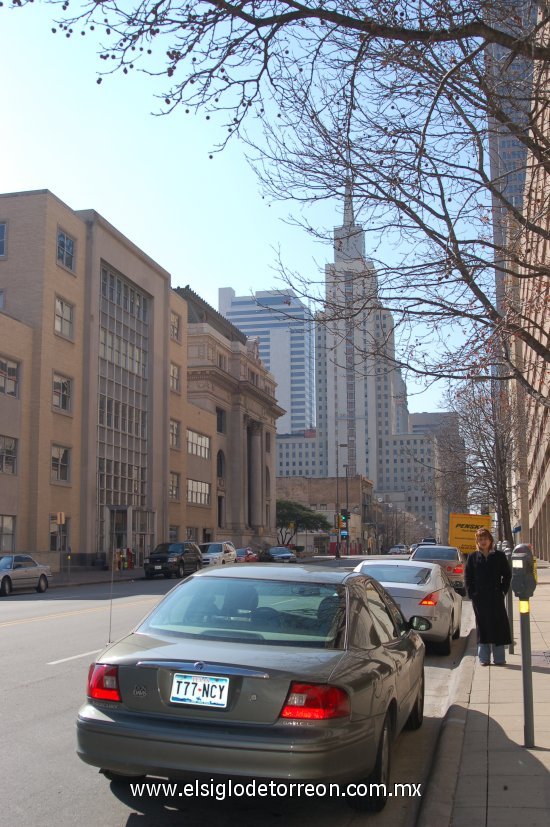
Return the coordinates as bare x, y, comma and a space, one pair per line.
463, 527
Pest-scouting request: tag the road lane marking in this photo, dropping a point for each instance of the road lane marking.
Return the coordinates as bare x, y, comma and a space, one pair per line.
73, 657
72, 613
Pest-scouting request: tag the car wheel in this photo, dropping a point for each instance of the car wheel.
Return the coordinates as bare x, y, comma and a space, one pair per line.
380, 775
181, 571
414, 721
42, 584
167, 574
444, 646
119, 778
456, 633
5, 586
148, 576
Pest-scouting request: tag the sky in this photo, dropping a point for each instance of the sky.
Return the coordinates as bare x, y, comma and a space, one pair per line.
100, 147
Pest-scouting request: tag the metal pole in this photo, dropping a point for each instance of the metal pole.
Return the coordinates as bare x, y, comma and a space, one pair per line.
347, 509
337, 506
510, 606
527, 675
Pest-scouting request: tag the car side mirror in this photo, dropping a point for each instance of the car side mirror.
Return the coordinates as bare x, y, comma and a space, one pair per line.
419, 624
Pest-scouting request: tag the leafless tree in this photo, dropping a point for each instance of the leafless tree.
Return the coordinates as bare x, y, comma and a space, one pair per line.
487, 426
398, 97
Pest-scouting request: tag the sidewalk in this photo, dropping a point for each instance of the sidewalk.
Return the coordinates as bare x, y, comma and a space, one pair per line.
483, 776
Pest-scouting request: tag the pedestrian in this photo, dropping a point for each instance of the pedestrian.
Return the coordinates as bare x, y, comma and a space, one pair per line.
488, 579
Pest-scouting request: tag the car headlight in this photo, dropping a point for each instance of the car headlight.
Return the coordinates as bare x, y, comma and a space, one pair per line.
172, 559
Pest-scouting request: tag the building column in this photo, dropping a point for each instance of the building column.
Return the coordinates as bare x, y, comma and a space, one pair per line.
256, 476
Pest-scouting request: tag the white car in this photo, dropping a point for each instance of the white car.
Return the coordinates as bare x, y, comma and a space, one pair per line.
219, 553
421, 589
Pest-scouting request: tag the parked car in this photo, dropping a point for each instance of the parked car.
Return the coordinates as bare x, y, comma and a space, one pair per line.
218, 554
278, 554
450, 558
173, 559
259, 672
426, 540
423, 589
247, 555
399, 548
21, 571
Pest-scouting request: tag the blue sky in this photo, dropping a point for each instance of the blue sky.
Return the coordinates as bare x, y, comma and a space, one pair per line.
99, 147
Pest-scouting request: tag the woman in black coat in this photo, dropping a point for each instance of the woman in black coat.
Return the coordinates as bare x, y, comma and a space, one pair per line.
488, 578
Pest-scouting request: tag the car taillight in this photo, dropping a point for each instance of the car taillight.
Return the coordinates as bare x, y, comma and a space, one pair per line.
315, 702
103, 682
430, 600
458, 569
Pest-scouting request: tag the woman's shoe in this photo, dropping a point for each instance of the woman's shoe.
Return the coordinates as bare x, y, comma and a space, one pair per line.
500, 663
483, 663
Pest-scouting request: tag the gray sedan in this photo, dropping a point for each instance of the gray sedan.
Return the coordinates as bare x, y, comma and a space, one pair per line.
21, 571
274, 673
424, 589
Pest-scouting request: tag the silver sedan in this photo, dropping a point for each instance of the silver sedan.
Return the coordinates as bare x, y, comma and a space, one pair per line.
21, 571
421, 588
263, 672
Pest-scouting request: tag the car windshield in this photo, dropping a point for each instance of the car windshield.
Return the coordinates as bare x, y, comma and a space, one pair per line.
435, 553
211, 548
6, 562
398, 574
274, 612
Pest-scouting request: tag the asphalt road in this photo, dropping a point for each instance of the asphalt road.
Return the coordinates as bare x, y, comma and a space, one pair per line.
47, 644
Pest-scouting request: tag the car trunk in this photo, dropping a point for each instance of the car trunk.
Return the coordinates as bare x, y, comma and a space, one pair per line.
239, 687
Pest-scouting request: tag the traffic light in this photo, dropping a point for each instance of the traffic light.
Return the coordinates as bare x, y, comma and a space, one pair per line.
344, 518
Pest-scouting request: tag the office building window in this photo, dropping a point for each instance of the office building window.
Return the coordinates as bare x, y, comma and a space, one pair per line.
175, 432
173, 533
59, 534
60, 463
220, 421
198, 492
61, 392
8, 455
9, 377
175, 327
3, 233
198, 444
175, 378
174, 486
65, 250
64, 313
7, 533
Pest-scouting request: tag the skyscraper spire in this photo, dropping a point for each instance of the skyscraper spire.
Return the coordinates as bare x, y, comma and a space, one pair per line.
349, 218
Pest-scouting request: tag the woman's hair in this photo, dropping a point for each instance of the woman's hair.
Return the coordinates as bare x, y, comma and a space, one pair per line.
484, 532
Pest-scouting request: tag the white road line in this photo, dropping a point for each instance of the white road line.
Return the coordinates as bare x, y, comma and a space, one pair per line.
74, 657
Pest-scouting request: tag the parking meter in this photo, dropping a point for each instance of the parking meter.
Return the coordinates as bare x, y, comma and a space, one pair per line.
524, 572
524, 583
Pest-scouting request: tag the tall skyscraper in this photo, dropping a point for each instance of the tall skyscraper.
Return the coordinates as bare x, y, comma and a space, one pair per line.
281, 323
360, 391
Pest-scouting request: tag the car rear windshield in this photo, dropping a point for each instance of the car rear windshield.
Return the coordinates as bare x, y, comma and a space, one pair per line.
278, 613
6, 562
435, 553
398, 574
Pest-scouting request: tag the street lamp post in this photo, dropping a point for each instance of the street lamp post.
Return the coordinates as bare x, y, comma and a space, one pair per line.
346, 466
338, 446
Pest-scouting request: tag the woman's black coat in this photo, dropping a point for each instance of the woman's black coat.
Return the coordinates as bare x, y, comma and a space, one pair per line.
487, 582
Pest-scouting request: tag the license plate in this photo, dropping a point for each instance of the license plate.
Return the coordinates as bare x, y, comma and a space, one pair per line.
200, 690
158, 568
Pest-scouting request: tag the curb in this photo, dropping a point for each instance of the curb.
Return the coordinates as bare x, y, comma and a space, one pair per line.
443, 773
